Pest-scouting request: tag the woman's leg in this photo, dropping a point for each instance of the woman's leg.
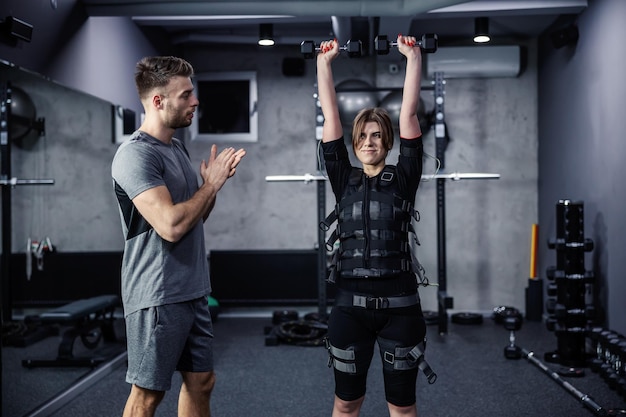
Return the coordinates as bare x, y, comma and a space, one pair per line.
343, 408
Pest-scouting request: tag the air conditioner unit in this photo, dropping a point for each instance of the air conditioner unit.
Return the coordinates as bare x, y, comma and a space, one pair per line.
475, 61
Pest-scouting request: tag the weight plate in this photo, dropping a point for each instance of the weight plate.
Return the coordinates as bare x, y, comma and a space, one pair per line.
282, 316
571, 372
91, 338
431, 317
500, 313
467, 318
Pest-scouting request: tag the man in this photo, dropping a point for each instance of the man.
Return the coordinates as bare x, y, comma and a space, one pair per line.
165, 282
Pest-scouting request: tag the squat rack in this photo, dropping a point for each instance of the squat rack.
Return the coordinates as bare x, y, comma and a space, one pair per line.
444, 301
7, 183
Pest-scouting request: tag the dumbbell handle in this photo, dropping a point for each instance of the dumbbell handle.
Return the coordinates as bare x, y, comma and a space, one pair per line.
341, 48
395, 43
345, 47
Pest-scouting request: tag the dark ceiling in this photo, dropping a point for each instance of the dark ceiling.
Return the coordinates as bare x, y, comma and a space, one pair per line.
237, 22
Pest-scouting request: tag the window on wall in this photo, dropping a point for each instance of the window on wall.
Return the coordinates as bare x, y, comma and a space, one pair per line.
228, 107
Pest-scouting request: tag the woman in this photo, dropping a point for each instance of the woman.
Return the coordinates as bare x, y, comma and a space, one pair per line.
377, 290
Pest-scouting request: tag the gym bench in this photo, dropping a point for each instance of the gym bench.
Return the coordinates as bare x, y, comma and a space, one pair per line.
91, 319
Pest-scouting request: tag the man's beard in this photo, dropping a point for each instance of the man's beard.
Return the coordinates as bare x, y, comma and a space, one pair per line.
180, 122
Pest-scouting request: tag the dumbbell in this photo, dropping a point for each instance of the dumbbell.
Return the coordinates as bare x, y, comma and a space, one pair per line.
353, 48
428, 43
563, 244
512, 323
562, 312
552, 290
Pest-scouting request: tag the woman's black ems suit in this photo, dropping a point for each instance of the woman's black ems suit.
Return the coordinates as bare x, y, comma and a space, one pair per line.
375, 274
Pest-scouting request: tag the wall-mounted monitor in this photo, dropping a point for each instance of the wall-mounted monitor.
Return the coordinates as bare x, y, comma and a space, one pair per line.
124, 123
228, 107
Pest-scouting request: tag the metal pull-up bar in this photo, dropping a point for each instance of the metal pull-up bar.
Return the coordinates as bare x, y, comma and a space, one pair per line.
14, 181
455, 176
321, 202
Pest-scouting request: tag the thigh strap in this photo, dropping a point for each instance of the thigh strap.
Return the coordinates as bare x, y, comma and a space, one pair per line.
344, 360
404, 358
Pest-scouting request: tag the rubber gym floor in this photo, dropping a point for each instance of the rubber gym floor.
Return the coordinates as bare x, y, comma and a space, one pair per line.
258, 379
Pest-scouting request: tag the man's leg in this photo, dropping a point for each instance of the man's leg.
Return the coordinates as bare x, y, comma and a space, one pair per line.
195, 394
142, 402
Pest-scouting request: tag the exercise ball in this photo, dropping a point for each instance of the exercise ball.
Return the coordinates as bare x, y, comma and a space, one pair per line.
392, 103
350, 103
23, 113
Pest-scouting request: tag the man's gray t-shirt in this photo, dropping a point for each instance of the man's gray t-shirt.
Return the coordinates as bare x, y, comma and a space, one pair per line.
155, 271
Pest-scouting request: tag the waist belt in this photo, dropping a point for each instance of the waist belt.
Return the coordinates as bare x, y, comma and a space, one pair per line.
345, 299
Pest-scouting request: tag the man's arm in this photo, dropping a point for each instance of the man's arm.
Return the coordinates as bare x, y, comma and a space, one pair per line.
172, 221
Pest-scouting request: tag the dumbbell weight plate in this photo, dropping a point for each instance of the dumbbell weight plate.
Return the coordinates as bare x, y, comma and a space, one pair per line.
354, 49
467, 318
500, 313
429, 43
307, 49
281, 316
382, 45
430, 317
571, 372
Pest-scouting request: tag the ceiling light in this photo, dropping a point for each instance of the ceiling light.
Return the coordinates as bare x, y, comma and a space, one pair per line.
266, 37
481, 30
